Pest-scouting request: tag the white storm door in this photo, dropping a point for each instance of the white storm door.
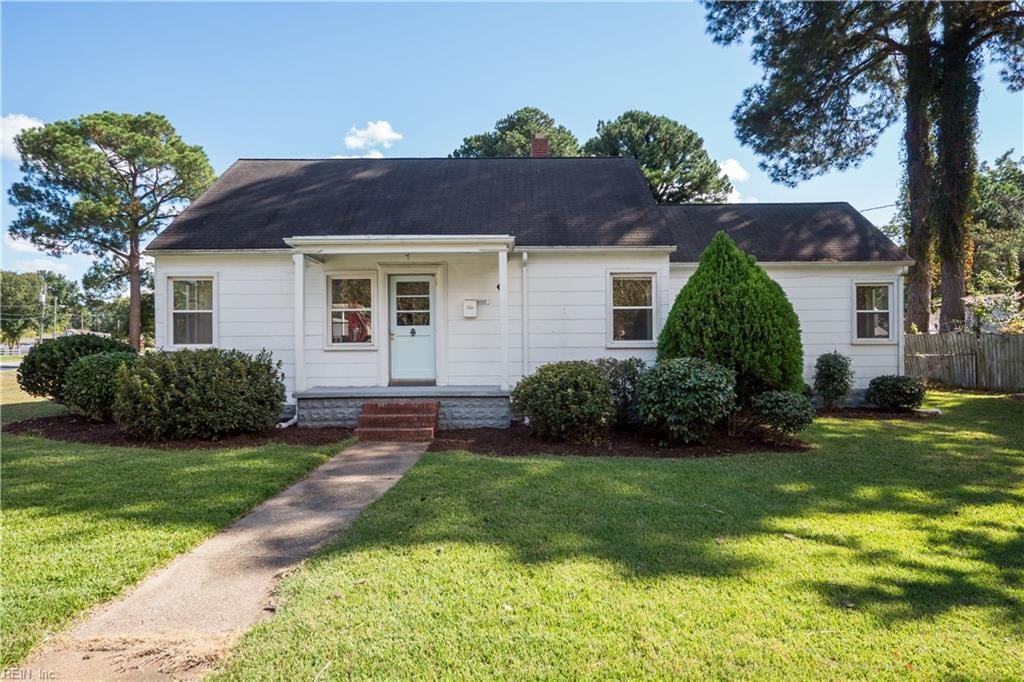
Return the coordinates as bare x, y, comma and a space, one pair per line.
411, 299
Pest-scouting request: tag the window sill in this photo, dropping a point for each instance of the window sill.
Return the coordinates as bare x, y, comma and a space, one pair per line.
349, 346
631, 344
874, 342
190, 346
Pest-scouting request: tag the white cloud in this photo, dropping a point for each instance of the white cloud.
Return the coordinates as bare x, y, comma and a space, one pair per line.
12, 243
375, 134
734, 170
372, 154
736, 198
10, 126
36, 264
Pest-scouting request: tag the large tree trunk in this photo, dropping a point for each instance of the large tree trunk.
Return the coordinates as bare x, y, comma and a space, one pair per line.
919, 168
134, 296
953, 289
957, 123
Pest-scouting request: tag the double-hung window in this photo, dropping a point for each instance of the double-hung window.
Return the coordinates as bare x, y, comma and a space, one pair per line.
873, 312
192, 311
350, 314
632, 300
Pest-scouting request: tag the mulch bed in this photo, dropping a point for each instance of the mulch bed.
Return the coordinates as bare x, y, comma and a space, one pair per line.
77, 429
516, 441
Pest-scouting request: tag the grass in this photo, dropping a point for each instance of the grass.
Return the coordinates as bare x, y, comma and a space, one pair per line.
82, 522
10, 358
891, 550
16, 405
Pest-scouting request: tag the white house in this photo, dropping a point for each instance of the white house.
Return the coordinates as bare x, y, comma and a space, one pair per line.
454, 278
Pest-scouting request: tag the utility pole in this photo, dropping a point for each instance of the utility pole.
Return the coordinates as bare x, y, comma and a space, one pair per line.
42, 313
55, 318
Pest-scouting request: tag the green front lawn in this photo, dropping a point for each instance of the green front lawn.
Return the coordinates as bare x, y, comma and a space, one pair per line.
893, 549
16, 405
81, 522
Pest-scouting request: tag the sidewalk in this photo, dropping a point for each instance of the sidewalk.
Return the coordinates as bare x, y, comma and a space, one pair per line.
177, 622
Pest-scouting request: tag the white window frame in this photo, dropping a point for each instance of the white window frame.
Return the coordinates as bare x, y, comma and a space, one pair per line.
375, 309
610, 341
894, 319
215, 317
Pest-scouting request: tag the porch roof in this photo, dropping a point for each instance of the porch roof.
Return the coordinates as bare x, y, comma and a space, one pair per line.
400, 243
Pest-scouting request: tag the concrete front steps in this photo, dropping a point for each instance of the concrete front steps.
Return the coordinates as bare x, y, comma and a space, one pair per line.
399, 421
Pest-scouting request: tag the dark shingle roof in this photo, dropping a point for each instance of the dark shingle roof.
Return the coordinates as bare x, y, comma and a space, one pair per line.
578, 202
781, 232
542, 202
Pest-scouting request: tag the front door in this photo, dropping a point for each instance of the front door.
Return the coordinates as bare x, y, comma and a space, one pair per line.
412, 328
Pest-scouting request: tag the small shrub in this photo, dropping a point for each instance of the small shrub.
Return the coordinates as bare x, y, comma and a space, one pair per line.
42, 371
732, 313
199, 394
833, 378
784, 412
684, 397
897, 393
566, 401
90, 385
622, 377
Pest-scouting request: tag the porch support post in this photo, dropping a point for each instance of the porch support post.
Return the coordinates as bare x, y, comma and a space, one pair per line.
299, 314
503, 312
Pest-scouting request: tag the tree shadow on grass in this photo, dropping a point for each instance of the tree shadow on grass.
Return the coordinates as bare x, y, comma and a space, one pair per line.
654, 518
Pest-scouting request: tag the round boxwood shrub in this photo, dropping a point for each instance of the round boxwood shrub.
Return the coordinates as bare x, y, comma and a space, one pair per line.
90, 385
42, 371
684, 397
784, 412
622, 377
897, 393
833, 378
732, 313
199, 394
566, 401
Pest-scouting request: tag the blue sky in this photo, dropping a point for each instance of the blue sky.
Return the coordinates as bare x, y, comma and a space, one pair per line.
288, 80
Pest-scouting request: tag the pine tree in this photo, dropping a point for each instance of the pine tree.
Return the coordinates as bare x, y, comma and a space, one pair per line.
732, 313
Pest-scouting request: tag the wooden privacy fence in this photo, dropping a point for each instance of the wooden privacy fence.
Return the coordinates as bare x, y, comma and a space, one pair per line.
993, 362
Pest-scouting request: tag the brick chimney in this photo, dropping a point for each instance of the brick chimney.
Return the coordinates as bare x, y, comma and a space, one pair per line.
539, 146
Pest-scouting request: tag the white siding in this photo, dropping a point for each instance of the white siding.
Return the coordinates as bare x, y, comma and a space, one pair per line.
822, 296
252, 306
567, 304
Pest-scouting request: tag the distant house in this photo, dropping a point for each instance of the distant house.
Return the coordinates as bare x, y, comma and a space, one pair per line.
453, 278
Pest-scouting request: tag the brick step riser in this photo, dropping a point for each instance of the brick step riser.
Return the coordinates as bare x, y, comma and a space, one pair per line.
401, 434
381, 421
426, 407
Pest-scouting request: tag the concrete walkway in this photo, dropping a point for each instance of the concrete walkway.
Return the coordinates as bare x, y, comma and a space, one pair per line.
176, 623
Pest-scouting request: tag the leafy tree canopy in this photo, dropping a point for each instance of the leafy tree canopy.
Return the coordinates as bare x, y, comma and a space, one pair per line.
513, 136
99, 183
20, 307
997, 230
672, 156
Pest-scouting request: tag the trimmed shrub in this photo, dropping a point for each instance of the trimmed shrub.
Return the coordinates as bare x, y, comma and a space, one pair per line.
784, 412
90, 385
732, 313
622, 377
42, 371
199, 394
833, 378
897, 393
684, 397
566, 401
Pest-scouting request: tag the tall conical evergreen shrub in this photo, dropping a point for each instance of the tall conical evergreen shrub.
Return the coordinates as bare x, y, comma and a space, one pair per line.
732, 313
